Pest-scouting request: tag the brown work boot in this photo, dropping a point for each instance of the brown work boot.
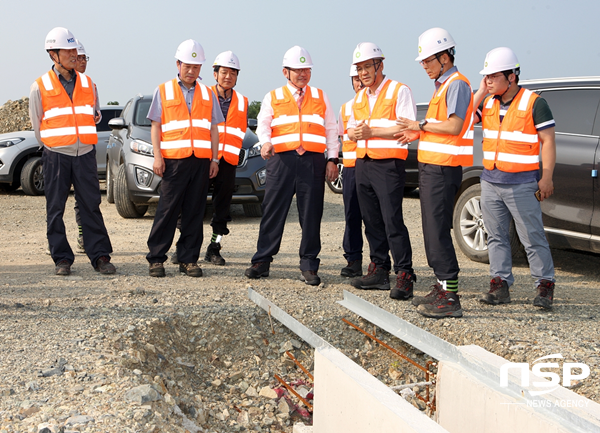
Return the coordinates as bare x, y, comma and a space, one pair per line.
377, 278
498, 293
190, 269
157, 270
63, 267
104, 266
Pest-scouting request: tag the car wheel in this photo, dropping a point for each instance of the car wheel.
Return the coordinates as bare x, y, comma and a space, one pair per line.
32, 176
469, 228
125, 207
110, 189
252, 209
336, 186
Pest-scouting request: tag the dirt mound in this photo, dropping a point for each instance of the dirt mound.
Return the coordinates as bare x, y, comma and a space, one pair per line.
14, 116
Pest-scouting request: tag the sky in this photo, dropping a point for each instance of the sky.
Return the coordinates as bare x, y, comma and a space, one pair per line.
131, 44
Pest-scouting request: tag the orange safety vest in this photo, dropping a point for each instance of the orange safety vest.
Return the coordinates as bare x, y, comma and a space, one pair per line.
348, 146
232, 131
383, 116
446, 149
67, 120
184, 133
292, 127
514, 145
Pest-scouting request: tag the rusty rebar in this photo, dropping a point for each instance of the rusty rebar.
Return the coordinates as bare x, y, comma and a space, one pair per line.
300, 365
293, 391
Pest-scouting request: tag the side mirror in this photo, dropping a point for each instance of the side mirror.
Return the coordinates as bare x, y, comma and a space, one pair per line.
117, 123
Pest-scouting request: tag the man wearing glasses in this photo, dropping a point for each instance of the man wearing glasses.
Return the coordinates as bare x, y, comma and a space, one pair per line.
380, 170
445, 146
515, 122
295, 126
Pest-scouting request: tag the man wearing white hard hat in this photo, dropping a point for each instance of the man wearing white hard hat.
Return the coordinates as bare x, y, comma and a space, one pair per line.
380, 170
61, 108
185, 140
445, 146
353, 239
234, 107
295, 126
515, 123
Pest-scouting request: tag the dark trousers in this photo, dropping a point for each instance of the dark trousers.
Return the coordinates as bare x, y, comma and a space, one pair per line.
380, 185
183, 191
223, 185
353, 238
287, 174
60, 172
438, 186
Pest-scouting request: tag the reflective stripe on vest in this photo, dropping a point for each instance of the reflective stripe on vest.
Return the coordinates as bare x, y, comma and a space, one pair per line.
233, 130
64, 120
348, 146
185, 133
446, 149
513, 145
383, 116
292, 127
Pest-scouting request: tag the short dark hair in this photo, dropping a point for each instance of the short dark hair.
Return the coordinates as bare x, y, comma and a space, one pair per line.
216, 69
515, 71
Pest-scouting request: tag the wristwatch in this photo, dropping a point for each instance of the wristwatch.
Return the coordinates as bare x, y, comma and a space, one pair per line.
422, 124
334, 160
215, 160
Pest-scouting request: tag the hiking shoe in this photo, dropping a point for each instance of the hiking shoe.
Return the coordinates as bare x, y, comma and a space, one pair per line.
257, 270
353, 269
310, 277
436, 290
190, 269
213, 256
404, 286
376, 278
80, 246
447, 304
545, 294
157, 270
104, 266
498, 293
63, 267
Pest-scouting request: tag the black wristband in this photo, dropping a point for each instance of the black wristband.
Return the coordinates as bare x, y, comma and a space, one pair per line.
334, 160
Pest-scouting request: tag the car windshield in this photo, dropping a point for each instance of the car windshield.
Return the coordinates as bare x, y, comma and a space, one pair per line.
141, 111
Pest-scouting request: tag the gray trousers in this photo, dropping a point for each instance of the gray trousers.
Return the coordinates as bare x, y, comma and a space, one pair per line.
500, 203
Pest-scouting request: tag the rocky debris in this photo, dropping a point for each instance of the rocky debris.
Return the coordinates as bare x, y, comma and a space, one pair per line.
14, 116
142, 394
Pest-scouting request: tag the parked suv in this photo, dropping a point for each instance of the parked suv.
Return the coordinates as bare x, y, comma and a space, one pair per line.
131, 184
21, 156
571, 217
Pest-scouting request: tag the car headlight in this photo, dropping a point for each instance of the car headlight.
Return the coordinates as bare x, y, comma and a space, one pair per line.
261, 176
254, 150
141, 147
12, 141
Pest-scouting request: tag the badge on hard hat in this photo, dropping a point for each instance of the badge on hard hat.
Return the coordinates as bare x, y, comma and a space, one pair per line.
302, 60
193, 54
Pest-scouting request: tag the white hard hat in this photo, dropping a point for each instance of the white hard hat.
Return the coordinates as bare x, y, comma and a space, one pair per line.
297, 57
434, 41
499, 60
80, 49
227, 59
60, 38
190, 52
353, 71
365, 51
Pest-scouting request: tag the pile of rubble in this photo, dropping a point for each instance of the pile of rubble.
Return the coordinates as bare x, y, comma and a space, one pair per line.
14, 116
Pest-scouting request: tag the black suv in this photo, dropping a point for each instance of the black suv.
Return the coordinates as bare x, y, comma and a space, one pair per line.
571, 217
132, 185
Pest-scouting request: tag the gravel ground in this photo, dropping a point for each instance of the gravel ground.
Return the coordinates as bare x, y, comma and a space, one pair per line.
130, 353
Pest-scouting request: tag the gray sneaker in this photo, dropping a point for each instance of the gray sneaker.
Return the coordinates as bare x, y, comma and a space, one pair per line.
498, 293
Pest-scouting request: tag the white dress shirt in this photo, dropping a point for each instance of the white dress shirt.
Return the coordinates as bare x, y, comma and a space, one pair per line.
265, 117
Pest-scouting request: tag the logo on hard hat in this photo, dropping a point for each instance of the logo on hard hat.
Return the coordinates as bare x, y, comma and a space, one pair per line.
193, 54
71, 40
420, 49
50, 41
302, 60
357, 54
485, 66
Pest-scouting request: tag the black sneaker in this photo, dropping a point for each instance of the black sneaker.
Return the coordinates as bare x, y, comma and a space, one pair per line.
446, 305
190, 269
258, 270
213, 256
376, 278
156, 270
436, 290
353, 269
63, 268
310, 277
80, 245
404, 286
545, 294
498, 293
